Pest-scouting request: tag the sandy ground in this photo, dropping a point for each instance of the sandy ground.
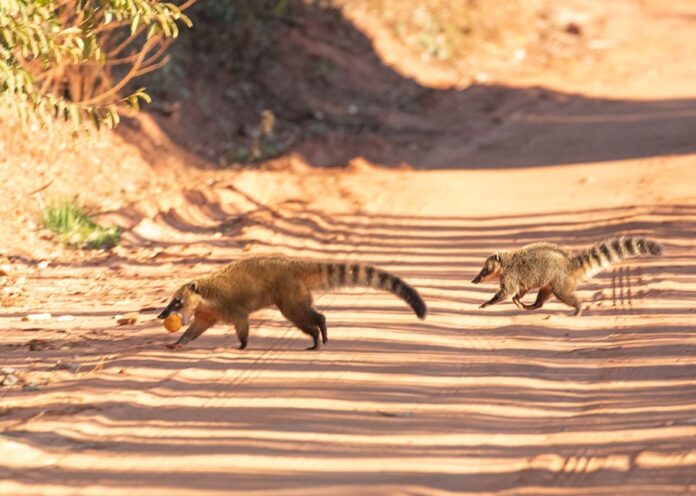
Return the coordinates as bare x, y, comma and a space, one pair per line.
468, 401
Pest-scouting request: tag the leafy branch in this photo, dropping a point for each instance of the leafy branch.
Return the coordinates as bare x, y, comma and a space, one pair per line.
72, 59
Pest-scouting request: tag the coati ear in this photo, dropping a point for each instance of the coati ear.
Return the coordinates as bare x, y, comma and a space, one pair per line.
193, 286
497, 257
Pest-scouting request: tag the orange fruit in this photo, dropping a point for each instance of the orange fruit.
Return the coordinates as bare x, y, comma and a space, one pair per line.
173, 322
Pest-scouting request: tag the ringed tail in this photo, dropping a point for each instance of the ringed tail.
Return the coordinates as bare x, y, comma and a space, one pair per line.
335, 275
589, 262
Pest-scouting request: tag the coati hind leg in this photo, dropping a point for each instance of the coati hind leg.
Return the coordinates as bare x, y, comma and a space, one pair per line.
542, 296
308, 321
566, 294
321, 322
517, 299
299, 311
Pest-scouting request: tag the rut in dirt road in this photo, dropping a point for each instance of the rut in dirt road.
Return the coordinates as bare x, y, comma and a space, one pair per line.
504, 400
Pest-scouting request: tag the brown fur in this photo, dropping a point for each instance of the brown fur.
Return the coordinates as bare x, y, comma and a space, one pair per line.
554, 270
231, 293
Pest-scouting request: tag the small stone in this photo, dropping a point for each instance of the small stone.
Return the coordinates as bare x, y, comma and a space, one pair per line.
127, 319
395, 414
8, 376
573, 28
481, 77
519, 54
9, 380
30, 387
38, 345
36, 316
69, 366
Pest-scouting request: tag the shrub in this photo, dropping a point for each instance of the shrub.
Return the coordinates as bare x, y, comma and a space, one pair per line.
73, 226
71, 59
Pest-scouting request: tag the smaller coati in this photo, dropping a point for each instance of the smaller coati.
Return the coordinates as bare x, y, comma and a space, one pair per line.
231, 293
554, 270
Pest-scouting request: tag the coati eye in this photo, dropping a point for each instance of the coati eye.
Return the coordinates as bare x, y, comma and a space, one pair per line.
177, 304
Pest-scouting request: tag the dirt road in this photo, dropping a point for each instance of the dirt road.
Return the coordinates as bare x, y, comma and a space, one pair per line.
469, 401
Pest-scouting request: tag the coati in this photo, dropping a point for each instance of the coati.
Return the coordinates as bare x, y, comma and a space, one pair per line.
554, 270
231, 293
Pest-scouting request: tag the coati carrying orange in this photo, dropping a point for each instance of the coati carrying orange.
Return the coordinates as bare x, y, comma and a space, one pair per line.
231, 293
554, 270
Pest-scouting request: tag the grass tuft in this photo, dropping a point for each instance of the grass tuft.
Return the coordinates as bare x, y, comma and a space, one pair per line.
73, 226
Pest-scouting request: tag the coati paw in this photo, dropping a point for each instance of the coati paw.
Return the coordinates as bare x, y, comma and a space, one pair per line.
242, 346
174, 346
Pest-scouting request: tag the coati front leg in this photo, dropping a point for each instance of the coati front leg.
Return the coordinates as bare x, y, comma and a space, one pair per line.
198, 327
501, 295
241, 326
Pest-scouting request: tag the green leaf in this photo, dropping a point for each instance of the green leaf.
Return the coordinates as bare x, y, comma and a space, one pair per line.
60, 49
185, 19
71, 31
144, 96
75, 115
152, 30
133, 101
279, 8
95, 119
134, 23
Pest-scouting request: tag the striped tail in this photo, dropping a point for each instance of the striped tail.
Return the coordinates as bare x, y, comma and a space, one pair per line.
336, 275
589, 262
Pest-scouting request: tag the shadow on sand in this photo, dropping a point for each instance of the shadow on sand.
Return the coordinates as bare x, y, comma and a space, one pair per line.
373, 409
335, 100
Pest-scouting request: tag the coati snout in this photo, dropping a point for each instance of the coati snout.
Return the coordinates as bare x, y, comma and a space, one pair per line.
184, 302
490, 270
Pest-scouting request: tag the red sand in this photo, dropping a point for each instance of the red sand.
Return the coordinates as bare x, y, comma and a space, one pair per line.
469, 401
